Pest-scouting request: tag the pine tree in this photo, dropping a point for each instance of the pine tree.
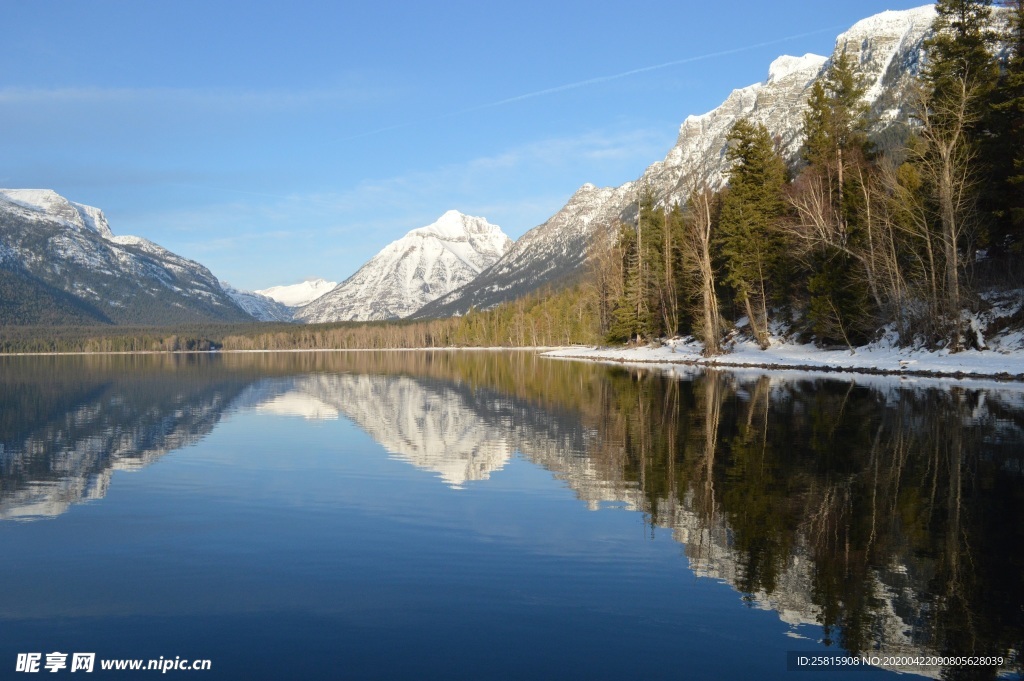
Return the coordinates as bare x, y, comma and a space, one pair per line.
836, 118
648, 303
1005, 149
652, 275
750, 240
631, 314
959, 54
835, 146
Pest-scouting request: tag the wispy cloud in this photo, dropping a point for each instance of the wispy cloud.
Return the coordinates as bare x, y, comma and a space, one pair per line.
471, 185
597, 80
197, 97
412, 199
646, 69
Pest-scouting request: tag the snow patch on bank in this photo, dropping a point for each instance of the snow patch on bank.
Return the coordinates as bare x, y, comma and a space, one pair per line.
998, 330
881, 357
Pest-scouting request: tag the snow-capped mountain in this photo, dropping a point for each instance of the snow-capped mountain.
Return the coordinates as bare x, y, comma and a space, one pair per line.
426, 263
552, 251
60, 263
887, 49
261, 307
278, 303
297, 295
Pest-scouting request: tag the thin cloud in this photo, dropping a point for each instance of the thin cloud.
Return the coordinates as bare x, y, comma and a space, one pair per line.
593, 81
329, 234
592, 146
194, 97
645, 69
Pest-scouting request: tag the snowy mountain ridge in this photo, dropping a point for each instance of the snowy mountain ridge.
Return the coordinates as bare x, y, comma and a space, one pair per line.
457, 262
60, 263
408, 273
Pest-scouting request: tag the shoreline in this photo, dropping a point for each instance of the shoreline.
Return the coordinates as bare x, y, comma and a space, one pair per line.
538, 348
813, 368
870, 361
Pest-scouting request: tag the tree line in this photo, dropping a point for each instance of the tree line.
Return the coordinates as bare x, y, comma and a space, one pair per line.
544, 318
853, 237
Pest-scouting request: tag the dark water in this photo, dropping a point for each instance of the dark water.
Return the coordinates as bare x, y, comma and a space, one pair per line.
501, 516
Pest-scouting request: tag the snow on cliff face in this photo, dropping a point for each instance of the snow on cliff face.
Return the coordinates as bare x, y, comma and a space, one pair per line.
278, 303
52, 205
887, 51
259, 306
297, 295
408, 273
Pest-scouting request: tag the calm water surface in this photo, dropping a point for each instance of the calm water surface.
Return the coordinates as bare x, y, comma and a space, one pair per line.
483, 515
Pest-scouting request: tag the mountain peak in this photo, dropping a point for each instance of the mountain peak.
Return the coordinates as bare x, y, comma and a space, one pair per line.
786, 65
452, 215
81, 272
890, 23
454, 225
43, 200
50, 203
405, 275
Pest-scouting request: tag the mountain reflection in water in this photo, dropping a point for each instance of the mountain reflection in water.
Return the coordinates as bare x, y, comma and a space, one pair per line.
889, 518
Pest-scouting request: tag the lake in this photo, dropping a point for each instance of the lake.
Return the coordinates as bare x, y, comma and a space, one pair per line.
496, 515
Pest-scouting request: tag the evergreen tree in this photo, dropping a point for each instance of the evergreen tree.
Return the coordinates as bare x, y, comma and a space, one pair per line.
631, 314
750, 241
648, 306
959, 52
651, 274
835, 122
1006, 148
835, 145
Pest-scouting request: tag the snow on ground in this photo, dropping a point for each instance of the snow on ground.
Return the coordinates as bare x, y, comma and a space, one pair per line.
878, 358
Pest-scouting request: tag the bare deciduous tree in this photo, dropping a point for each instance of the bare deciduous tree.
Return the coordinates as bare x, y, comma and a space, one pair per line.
697, 262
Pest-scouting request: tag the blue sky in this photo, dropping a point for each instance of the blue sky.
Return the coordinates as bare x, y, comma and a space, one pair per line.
277, 141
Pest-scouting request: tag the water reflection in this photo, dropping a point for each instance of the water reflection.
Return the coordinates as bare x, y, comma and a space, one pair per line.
877, 517
430, 425
66, 424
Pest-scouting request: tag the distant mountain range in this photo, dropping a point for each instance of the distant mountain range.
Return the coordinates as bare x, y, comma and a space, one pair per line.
279, 303
60, 263
297, 295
